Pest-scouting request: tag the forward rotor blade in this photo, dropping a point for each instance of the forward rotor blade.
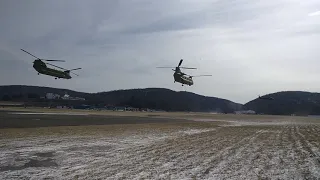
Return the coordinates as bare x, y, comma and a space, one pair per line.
29, 53
201, 75
187, 68
74, 69
180, 62
75, 74
57, 66
165, 67
53, 60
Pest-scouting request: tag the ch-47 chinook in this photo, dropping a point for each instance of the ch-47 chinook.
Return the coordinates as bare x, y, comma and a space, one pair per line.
265, 98
181, 77
41, 67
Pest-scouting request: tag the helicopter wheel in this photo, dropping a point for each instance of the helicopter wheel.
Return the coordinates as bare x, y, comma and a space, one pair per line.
55, 78
38, 73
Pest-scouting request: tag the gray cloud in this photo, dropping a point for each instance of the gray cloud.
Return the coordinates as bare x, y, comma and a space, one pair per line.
250, 47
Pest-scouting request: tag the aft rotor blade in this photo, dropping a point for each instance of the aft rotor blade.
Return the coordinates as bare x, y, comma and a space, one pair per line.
29, 53
57, 66
180, 62
53, 60
187, 68
74, 69
201, 75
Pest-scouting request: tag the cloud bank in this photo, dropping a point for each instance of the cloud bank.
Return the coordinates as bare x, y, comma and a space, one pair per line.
250, 47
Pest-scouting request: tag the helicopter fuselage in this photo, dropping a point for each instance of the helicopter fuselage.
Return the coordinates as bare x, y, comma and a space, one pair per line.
42, 68
181, 78
266, 98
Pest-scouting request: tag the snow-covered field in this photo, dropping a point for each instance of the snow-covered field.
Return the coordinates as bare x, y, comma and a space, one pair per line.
198, 150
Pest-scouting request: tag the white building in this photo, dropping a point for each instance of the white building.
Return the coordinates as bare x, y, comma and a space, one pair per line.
67, 97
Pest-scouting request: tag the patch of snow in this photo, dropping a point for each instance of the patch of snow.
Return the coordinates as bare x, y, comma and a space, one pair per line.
282, 151
196, 131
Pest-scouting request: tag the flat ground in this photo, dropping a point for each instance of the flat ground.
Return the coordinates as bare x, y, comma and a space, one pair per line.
126, 145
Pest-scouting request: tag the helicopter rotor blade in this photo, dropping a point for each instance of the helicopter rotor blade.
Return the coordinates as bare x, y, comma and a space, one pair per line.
29, 53
180, 62
74, 73
187, 68
165, 67
74, 69
53, 60
200, 75
57, 66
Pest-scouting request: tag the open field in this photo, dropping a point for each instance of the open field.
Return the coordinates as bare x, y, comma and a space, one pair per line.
192, 115
158, 146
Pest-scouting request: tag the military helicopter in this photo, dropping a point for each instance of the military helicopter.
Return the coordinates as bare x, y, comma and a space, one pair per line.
41, 67
265, 98
181, 77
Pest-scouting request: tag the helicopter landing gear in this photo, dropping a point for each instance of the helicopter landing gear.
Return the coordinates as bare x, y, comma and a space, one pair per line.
38, 73
55, 78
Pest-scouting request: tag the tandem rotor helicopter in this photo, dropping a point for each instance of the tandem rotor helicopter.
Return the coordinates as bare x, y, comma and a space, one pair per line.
42, 68
265, 98
181, 77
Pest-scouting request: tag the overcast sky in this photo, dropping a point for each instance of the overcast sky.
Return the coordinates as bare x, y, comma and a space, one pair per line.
250, 47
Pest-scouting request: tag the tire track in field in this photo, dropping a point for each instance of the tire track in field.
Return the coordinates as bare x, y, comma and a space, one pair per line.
153, 156
216, 164
228, 152
302, 154
244, 158
168, 158
265, 155
200, 154
312, 158
131, 157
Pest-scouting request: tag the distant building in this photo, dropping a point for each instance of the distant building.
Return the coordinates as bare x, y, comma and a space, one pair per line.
68, 97
52, 96
119, 108
245, 112
79, 99
131, 109
65, 97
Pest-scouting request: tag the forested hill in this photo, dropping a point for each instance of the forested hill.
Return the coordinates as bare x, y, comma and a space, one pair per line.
16, 91
155, 98
284, 103
287, 103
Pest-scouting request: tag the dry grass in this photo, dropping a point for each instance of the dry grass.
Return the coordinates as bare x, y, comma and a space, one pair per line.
192, 115
101, 130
